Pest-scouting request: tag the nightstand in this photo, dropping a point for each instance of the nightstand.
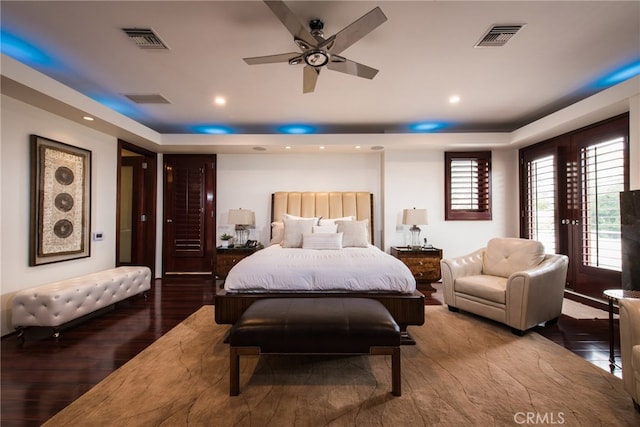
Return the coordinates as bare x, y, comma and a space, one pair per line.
226, 258
423, 263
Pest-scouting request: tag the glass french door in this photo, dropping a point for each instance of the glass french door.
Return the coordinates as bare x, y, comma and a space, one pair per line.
570, 188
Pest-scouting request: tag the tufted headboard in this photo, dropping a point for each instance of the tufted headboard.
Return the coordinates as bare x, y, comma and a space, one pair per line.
327, 204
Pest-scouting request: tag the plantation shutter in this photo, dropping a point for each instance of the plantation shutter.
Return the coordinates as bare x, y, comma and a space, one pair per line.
189, 204
540, 210
468, 186
602, 180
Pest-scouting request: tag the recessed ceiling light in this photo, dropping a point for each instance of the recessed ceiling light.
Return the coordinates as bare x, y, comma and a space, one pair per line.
88, 118
357, 147
454, 99
288, 147
322, 147
220, 100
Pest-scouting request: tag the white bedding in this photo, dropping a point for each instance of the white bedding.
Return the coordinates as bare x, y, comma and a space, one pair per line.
278, 269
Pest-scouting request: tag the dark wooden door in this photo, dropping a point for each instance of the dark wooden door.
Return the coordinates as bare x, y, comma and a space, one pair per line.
189, 214
136, 217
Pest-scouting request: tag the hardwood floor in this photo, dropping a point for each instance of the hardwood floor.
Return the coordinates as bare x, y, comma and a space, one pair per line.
42, 376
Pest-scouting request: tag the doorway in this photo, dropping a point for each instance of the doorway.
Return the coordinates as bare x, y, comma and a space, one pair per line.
570, 188
136, 206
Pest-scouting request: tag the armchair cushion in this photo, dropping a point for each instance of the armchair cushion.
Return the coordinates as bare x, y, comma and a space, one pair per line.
505, 256
491, 288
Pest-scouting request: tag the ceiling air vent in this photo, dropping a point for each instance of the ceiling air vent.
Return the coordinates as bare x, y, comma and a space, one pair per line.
148, 99
145, 38
498, 35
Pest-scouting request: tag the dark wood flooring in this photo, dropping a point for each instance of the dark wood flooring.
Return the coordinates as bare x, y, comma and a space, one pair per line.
43, 375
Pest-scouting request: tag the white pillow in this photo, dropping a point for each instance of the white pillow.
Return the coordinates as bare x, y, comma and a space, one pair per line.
277, 232
322, 241
331, 228
333, 221
354, 233
294, 229
289, 216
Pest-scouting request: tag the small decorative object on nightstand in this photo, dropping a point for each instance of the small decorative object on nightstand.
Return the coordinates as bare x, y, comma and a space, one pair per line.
226, 258
424, 263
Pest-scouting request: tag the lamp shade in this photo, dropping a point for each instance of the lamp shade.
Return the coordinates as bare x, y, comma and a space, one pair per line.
241, 217
414, 216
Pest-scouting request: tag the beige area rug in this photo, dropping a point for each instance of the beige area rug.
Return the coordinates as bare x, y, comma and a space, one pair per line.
582, 311
464, 371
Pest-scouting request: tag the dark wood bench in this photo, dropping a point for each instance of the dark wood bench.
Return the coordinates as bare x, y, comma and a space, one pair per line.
315, 326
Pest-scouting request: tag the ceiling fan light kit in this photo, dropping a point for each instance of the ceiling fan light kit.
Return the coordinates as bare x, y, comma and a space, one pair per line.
318, 51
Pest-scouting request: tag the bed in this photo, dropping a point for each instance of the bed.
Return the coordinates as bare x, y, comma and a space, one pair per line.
329, 273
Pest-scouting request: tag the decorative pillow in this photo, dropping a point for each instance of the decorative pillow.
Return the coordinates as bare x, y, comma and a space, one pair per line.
354, 233
316, 218
294, 229
322, 241
331, 221
505, 256
277, 232
330, 228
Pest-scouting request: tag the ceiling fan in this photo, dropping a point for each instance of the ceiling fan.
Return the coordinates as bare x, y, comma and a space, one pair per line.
318, 51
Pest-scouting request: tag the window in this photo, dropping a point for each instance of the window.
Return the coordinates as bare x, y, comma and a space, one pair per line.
602, 181
467, 185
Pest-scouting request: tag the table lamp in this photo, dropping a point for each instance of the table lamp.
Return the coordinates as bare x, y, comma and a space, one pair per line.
414, 217
243, 219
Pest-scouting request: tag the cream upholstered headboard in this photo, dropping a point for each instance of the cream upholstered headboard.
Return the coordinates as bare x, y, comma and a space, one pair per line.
327, 204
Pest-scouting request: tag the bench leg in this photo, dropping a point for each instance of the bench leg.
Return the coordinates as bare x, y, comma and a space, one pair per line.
396, 375
234, 372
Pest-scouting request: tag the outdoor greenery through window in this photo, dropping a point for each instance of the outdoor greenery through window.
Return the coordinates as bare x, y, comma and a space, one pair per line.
602, 182
468, 185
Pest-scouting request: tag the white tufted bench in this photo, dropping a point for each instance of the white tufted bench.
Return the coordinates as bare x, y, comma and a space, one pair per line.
56, 303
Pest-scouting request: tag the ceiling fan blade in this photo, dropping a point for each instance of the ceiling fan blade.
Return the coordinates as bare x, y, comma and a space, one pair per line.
309, 78
271, 59
350, 67
291, 21
355, 31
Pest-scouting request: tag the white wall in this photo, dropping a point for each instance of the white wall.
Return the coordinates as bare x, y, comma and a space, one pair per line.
19, 120
247, 180
416, 179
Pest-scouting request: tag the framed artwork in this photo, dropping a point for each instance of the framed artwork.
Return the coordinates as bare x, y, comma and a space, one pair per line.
60, 202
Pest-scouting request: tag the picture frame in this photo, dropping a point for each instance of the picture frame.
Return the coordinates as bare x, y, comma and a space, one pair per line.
60, 222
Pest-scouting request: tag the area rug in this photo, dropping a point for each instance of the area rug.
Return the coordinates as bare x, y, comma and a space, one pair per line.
463, 371
582, 311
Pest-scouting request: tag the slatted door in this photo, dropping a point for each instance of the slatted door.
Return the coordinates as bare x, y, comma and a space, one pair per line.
189, 223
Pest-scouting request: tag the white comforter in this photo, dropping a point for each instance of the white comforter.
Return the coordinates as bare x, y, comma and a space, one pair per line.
278, 269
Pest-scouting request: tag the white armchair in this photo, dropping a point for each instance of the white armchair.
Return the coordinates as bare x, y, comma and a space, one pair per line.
511, 281
630, 347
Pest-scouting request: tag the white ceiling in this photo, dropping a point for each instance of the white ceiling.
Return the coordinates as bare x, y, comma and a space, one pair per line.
425, 53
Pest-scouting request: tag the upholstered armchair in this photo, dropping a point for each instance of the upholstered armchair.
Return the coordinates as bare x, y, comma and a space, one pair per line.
630, 347
511, 281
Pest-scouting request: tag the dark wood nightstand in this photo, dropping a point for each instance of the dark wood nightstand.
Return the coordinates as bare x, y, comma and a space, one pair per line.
423, 263
226, 258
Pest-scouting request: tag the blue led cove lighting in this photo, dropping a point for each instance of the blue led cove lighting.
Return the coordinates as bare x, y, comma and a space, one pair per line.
213, 129
426, 127
23, 51
621, 74
297, 129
